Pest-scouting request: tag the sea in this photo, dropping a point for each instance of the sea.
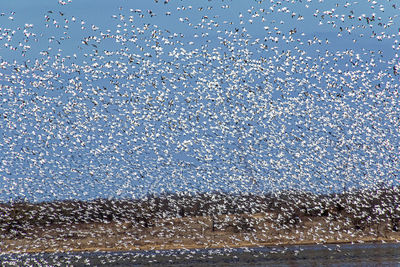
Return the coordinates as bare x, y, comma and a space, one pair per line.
382, 254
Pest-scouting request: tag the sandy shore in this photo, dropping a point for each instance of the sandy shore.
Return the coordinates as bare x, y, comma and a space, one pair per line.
224, 231
214, 220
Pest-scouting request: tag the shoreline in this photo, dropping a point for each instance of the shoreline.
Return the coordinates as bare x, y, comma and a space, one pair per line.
200, 222
193, 247
125, 237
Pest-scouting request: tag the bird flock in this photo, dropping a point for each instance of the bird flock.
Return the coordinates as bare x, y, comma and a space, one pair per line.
199, 96
261, 99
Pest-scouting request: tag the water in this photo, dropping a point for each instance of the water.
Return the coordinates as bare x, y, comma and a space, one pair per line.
305, 255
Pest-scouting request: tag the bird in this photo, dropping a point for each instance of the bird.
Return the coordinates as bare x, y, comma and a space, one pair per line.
193, 97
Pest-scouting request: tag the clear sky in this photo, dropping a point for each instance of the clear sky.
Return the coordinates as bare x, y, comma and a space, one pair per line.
305, 16
123, 98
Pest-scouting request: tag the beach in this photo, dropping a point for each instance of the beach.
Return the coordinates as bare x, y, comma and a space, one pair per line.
200, 222
194, 233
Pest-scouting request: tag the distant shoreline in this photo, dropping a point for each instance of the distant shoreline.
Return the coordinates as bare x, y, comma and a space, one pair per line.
200, 222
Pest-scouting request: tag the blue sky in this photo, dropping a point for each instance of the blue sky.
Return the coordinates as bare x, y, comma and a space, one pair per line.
100, 13
196, 96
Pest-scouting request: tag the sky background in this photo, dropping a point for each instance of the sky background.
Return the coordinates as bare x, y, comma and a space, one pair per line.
125, 98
